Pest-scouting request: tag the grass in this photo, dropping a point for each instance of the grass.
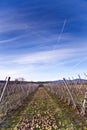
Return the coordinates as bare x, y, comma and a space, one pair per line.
44, 111
44, 114
15, 115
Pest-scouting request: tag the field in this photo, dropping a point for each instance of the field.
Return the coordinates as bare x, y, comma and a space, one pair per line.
47, 106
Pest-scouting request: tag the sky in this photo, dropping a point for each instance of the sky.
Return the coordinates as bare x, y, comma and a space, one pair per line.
43, 40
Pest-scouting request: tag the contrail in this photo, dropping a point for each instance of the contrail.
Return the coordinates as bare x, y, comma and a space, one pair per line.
62, 30
64, 23
81, 61
13, 39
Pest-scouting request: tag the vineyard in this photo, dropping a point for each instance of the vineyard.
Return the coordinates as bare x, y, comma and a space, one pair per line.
43, 106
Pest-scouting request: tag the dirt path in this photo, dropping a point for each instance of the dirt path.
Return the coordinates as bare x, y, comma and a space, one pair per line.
43, 113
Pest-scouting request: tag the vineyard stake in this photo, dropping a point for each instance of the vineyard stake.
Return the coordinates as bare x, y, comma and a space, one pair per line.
69, 92
4, 89
84, 103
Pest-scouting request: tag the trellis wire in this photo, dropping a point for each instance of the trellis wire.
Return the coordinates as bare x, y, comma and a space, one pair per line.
72, 92
13, 95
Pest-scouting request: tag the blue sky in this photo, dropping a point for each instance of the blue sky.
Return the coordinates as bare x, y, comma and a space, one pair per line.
43, 39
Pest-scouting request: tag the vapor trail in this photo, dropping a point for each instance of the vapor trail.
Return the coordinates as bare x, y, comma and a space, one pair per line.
81, 61
62, 30
13, 39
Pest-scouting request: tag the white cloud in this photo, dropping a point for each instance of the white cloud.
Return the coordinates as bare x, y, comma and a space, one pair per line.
45, 56
43, 65
11, 26
11, 20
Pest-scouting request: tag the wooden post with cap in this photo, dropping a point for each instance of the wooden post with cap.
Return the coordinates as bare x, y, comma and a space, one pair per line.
84, 103
2, 94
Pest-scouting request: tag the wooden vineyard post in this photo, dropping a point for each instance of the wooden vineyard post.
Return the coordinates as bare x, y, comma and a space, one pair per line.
84, 104
75, 85
1, 97
73, 90
2, 94
65, 93
21, 92
81, 84
66, 85
85, 75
